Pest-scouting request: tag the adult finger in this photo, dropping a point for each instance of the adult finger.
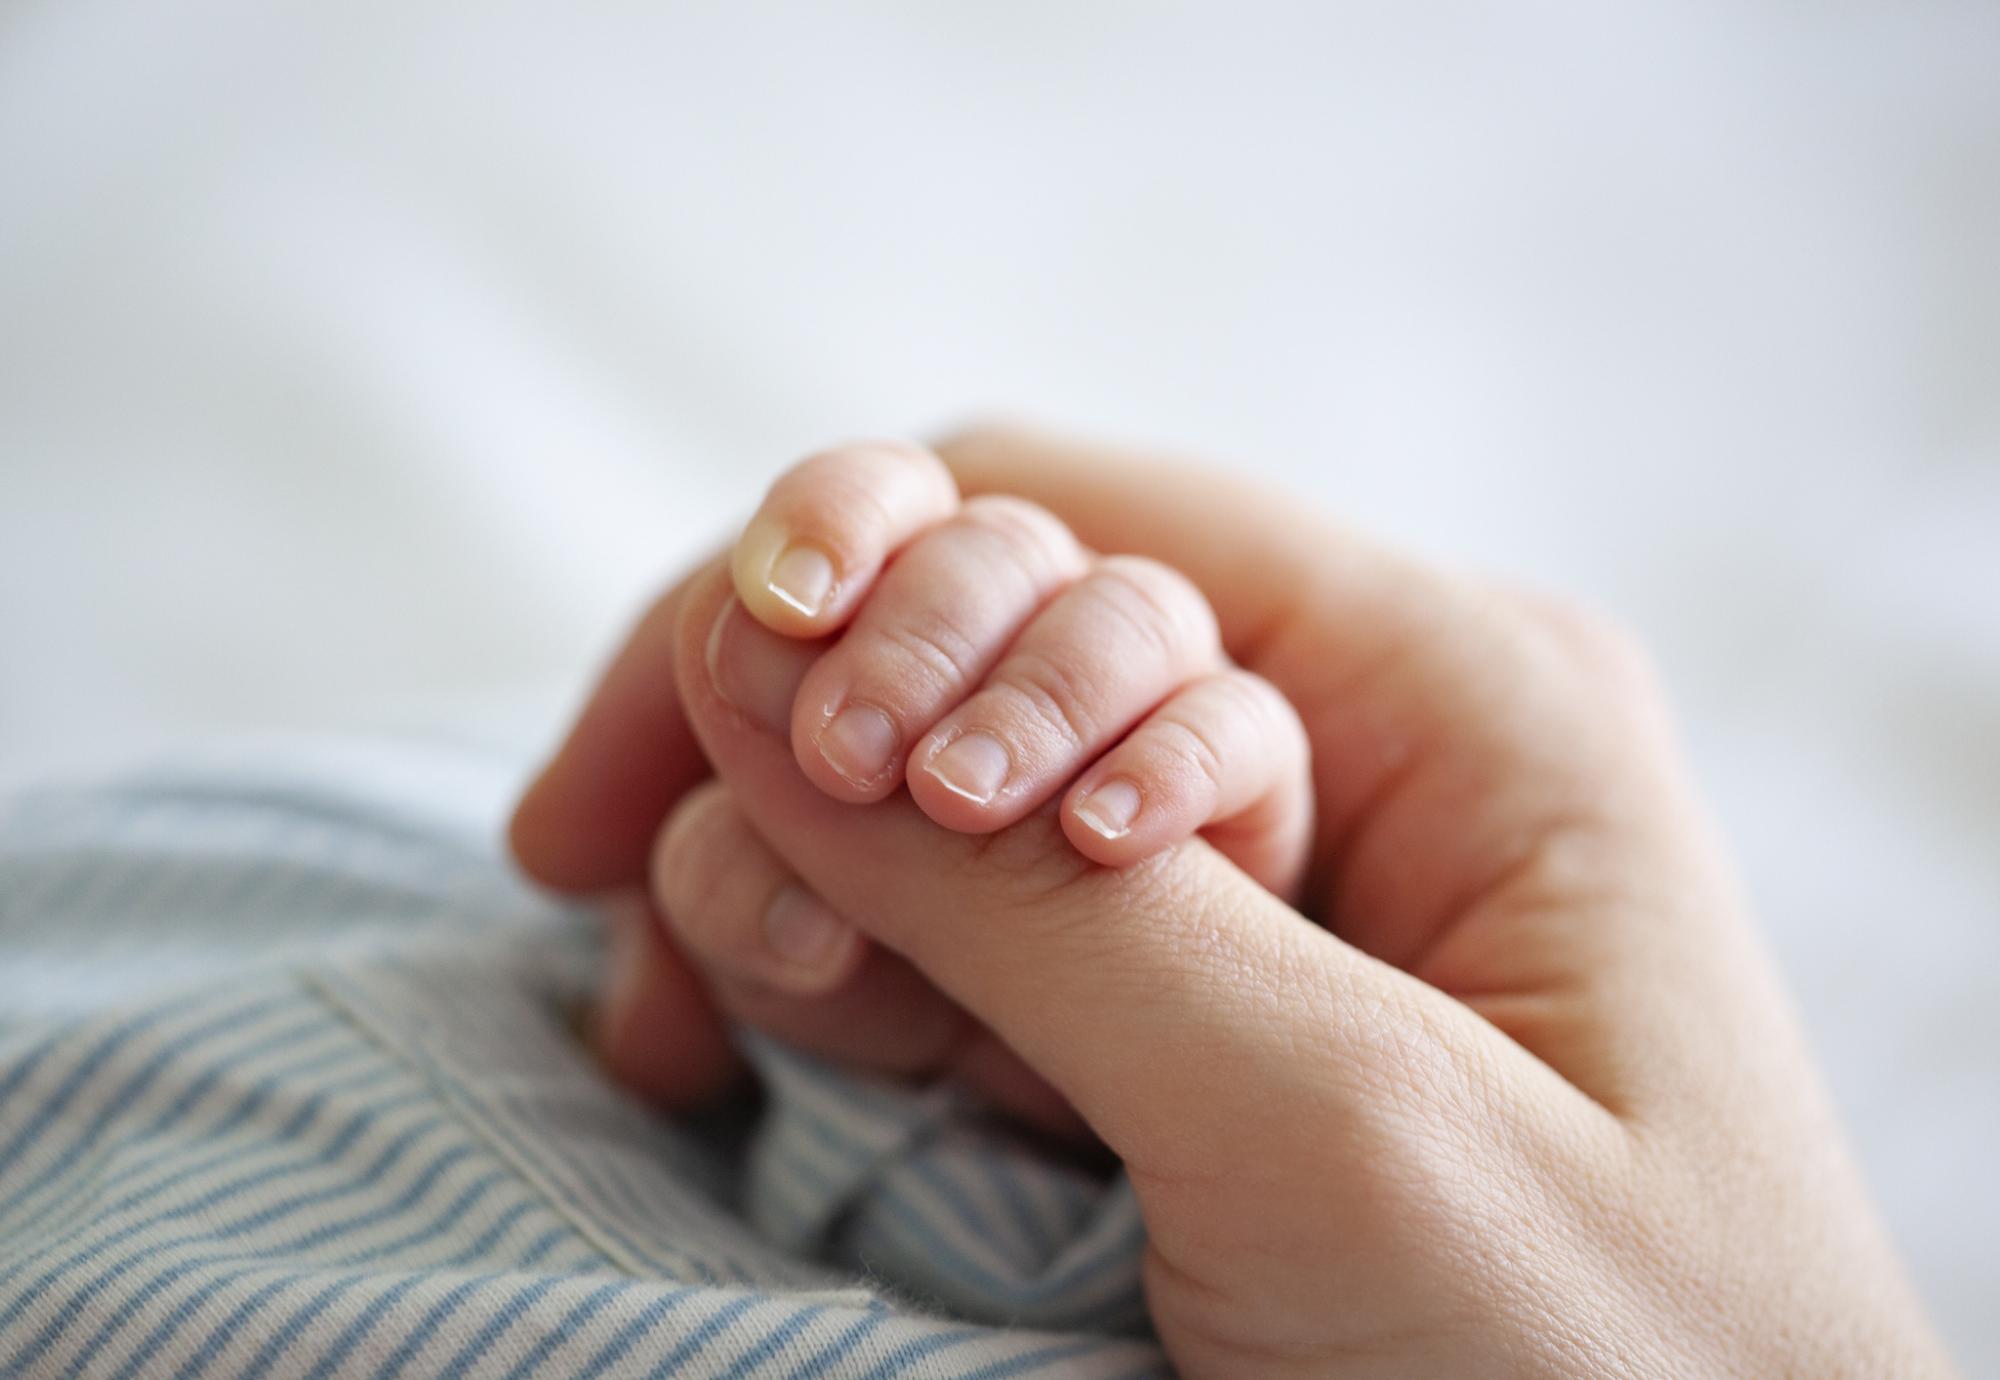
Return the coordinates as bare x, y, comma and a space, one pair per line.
587, 821
655, 1026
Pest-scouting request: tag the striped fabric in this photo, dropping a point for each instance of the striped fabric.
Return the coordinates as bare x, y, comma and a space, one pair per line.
289, 1086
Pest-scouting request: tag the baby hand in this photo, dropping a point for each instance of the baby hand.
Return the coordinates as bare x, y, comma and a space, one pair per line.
977, 652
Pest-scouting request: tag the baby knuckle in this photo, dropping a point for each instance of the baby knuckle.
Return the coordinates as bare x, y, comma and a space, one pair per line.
834, 493
1186, 742
1261, 703
1029, 536
1601, 647
816, 477
1052, 693
933, 652
869, 459
1157, 604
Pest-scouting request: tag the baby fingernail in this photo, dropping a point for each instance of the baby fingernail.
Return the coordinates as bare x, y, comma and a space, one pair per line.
859, 743
974, 766
756, 670
802, 576
804, 932
1109, 810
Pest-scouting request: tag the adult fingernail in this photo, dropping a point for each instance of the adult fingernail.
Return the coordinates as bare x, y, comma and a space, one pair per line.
859, 743
756, 670
1109, 810
804, 932
974, 766
802, 576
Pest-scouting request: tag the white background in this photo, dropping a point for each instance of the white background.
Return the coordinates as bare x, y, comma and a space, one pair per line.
367, 360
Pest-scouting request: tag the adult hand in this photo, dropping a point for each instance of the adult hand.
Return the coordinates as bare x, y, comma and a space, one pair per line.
1517, 1094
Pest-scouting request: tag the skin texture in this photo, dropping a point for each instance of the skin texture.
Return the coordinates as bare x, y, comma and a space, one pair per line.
1513, 1090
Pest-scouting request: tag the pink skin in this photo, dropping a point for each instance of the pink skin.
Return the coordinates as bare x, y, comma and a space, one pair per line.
988, 659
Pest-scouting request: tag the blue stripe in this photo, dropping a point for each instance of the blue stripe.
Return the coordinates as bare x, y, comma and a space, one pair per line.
135, 1087
571, 1322
1036, 1360
626, 1337
547, 1242
492, 1236
212, 1346
199, 1168
697, 1341
970, 1224
938, 1245
185, 1313
172, 1324
911, 1352
432, 1321
357, 1331
26, 1064
182, 1313
654, 1207
93, 1191
504, 1317
606, 1201
999, 1169
822, 1361
58, 1101
560, 1188
222, 1194
130, 1309
280, 1341
187, 1309
467, 1198
773, 1343
437, 1228
200, 1086
1073, 1278
385, 1160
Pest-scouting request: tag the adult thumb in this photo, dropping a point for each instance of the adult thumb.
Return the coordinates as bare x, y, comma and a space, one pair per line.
1185, 1012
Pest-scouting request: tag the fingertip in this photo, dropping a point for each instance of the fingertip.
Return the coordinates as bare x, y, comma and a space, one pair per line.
851, 750
586, 821
788, 583
1108, 809
960, 780
527, 835
827, 525
1128, 809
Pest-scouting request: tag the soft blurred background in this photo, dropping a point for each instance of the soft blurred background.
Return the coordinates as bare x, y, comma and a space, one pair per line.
368, 363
